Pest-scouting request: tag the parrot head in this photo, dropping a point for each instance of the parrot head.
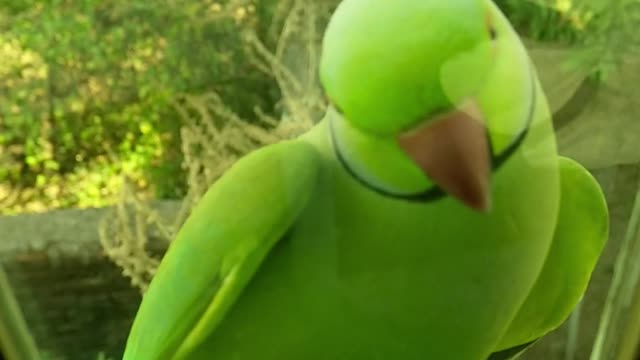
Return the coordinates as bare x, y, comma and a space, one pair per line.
403, 78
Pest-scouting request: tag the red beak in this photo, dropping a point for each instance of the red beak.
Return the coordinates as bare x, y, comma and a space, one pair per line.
453, 151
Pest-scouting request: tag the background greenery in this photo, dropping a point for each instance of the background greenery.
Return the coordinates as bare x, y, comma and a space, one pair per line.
88, 87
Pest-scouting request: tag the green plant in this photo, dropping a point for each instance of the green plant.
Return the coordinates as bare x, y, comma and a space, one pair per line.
86, 91
603, 32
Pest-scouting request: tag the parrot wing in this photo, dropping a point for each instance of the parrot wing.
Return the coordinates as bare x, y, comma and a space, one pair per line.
512, 353
581, 232
220, 247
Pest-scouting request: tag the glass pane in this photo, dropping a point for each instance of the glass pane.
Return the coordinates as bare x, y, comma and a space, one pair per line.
116, 117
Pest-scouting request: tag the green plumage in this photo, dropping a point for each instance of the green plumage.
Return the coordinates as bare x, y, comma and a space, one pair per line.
291, 255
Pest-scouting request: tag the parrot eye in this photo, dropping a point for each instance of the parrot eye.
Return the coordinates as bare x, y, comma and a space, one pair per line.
492, 32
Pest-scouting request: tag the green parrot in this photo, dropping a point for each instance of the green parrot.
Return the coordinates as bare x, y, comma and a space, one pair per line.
426, 216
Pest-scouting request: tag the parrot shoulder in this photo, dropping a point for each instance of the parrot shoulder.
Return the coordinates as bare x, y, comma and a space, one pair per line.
221, 246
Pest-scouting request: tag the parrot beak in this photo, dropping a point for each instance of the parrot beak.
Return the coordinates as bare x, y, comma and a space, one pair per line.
453, 151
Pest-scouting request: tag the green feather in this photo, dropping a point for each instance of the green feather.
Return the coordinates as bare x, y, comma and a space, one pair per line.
583, 227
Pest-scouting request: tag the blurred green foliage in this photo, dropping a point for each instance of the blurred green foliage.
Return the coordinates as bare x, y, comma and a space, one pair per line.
604, 31
87, 86
85, 91
543, 20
